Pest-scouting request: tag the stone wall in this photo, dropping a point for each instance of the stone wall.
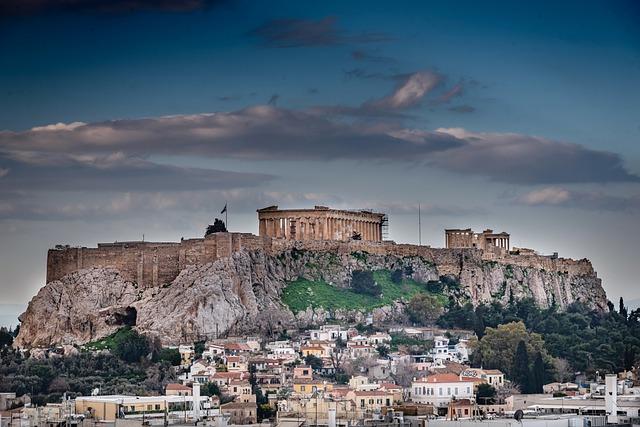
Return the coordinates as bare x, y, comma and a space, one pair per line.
153, 264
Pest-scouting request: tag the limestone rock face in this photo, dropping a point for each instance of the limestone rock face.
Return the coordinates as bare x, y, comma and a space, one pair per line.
77, 308
240, 294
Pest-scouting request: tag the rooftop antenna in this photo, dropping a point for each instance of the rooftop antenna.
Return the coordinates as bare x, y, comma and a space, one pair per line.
419, 226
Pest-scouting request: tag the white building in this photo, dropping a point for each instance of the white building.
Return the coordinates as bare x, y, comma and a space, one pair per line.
438, 390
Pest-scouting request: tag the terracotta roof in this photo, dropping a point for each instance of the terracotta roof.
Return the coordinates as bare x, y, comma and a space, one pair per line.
238, 405
390, 386
177, 387
444, 378
228, 374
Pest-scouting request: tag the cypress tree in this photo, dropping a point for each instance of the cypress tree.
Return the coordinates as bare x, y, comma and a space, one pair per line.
520, 372
538, 374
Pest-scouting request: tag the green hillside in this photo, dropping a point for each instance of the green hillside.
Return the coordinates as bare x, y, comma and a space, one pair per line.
302, 293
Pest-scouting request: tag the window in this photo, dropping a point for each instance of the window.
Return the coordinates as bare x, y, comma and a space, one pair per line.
302, 388
456, 391
468, 390
440, 391
157, 407
149, 407
448, 391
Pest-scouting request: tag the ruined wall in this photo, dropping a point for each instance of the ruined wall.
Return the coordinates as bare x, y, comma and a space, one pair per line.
155, 264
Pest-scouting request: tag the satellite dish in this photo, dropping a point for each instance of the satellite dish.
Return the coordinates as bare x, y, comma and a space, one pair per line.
518, 415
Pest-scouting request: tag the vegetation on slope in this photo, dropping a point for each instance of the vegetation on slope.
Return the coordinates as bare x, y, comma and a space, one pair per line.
302, 293
578, 339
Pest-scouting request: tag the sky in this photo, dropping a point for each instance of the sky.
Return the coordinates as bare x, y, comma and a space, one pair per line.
134, 118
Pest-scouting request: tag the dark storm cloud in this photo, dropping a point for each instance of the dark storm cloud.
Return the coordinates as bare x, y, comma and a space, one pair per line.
286, 33
524, 159
30, 171
587, 200
31, 7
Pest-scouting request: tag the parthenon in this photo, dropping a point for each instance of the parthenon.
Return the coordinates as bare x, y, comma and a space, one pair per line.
320, 223
467, 238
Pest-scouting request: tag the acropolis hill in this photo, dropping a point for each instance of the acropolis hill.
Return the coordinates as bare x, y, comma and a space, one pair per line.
234, 282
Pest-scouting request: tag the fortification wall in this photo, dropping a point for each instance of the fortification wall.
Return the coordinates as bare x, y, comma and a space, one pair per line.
156, 264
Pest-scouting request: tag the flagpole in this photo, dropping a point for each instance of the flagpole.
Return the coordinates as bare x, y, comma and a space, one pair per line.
226, 215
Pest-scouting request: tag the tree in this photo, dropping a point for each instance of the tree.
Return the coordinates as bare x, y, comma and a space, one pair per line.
403, 375
478, 324
520, 370
423, 309
537, 374
210, 389
6, 337
218, 226
131, 346
383, 351
313, 361
486, 394
362, 282
561, 370
498, 347
170, 355
623, 310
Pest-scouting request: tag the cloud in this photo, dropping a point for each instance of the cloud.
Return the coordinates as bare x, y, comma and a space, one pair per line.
115, 172
118, 150
462, 109
525, 159
408, 93
455, 91
4, 172
287, 33
255, 133
122, 205
587, 200
10, 8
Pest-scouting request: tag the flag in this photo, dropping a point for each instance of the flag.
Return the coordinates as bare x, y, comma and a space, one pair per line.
225, 209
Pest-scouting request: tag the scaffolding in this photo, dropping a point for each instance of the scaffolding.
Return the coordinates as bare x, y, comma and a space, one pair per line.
384, 225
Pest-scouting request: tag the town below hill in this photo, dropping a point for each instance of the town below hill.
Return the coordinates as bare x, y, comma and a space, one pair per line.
472, 363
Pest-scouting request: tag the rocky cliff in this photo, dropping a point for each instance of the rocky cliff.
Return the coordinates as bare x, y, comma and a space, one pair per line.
242, 293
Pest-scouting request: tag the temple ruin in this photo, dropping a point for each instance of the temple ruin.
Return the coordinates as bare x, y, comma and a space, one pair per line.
320, 223
467, 238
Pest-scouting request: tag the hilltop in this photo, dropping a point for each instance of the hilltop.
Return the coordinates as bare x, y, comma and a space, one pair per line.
259, 284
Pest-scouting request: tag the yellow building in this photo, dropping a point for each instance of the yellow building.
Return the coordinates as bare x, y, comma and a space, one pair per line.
309, 386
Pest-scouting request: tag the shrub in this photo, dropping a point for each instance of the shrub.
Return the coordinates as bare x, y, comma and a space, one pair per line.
396, 276
170, 355
362, 282
131, 347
